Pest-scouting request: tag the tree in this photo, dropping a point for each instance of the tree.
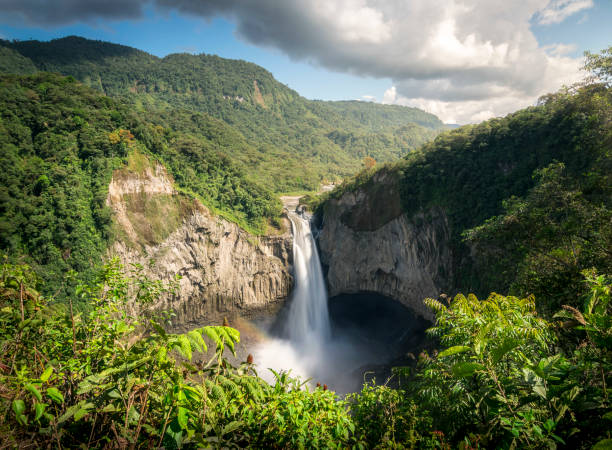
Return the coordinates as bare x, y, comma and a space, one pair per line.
599, 65
369, 162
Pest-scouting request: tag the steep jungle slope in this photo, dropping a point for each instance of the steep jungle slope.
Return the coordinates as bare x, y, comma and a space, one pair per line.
521, 203
327, 140
61, 142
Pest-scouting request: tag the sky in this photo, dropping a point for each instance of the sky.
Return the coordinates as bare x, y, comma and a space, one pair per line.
463, 60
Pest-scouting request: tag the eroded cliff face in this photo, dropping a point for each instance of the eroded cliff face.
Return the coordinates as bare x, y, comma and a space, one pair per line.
225, 271
368, 244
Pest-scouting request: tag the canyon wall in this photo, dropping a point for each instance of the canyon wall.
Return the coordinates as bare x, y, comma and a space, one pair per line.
225, 270
367, 244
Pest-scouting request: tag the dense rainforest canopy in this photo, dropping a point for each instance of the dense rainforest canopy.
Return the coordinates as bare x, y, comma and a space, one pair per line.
229, 134
283, 140
61, 142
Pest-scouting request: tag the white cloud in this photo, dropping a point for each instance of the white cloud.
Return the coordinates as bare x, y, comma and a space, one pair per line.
559, 10
560, 49
390, 96
473, 103
368, 98
471, 111
354, 21
464, 60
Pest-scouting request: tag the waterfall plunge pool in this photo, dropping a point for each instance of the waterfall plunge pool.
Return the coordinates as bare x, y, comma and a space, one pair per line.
370, 333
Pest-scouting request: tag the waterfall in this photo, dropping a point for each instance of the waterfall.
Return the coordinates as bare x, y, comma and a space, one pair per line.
308, 318
306, 347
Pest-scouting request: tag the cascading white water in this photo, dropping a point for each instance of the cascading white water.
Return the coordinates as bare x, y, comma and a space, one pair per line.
308, 319
307, 348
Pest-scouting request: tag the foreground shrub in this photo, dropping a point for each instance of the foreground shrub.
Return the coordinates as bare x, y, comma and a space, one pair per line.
107, 377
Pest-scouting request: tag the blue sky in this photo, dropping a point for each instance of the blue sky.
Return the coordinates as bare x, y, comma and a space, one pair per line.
465, 70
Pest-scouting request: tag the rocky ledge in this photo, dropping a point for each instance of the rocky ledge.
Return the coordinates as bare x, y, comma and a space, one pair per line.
225, 270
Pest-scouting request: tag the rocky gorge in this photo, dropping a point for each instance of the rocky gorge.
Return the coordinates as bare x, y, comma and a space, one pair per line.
225, 271
367, 245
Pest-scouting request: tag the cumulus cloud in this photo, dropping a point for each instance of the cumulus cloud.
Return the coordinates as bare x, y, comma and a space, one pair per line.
559, 10
464, 60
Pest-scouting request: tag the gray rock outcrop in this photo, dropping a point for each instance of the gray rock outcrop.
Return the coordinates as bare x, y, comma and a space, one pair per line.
225, 270
368, 245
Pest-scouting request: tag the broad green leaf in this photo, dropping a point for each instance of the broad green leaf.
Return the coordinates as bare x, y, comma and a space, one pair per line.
114, 393
35, 392
46, 374
109, 408
196, 339
174, 435
233, 333
22, 419
85, 386
502, 350
55, 395
540, 389
481, 341
183, 345
39, 410
453, 350
182, 417
83, 410
212, 333
466, 369
536, 382
18, 407
230, 427
70, 412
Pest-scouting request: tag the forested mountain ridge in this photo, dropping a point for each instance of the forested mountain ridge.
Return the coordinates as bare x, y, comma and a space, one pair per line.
226, 131
282, 129
527, 198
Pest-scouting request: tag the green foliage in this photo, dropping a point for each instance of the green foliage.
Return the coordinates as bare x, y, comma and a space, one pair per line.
527, 197
111, 376
389, 418
501, 381
61, 143
270, 129
599, 65
114, 375
56, 164
543, 241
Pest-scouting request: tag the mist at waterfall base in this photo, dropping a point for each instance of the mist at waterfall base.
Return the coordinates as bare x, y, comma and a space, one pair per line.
333, 343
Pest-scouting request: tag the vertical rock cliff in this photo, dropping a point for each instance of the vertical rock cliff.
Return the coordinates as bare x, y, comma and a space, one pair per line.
368, 244
225, 270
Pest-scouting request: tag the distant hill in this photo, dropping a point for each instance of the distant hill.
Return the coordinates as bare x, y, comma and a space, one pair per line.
280, 138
